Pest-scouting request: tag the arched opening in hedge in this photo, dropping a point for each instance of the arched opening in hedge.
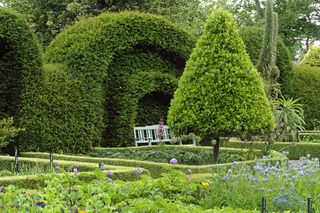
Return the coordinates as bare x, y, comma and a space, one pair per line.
152, 107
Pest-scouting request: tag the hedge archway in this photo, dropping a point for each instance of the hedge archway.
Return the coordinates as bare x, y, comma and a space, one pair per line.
116, 59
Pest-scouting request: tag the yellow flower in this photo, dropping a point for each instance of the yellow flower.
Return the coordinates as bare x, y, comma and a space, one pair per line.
205, 183
82, 211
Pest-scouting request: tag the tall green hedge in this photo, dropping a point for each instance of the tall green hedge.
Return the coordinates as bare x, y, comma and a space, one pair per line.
20, 64
100, 70
306, 86
252, 36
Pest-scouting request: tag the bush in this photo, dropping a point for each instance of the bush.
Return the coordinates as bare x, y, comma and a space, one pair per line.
7, 131
20, 65
312, 58
220, 93
306, 86
252, 37
110, 63
296, 149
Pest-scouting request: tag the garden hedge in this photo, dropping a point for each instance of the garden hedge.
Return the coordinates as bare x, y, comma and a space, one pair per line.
295, 149
155, 169
113, 64
37, 181
252, 36
306, 86
8, 163
20, 65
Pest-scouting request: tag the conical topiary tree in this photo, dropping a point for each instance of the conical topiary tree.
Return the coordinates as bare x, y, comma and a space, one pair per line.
220, 93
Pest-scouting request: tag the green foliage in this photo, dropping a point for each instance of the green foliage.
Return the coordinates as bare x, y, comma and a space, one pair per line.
286, 187
290, 119
51, 17
98, 72
312, 58
306, 86
252, 36
220, 93
188, 156
8, 131
20, 65
68, 193
296, 150
155, 169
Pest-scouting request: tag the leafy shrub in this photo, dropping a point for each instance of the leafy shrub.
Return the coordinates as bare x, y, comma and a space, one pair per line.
311, 59
252, 37
306, 86
20, 64
109, 62
67, 193
7, 131
290, 119
220, 93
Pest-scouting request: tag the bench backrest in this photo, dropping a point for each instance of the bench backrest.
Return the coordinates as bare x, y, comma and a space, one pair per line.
149, 134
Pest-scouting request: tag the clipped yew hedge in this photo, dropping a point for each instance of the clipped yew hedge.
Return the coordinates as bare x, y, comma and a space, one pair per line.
252, 36
306, 86
99, 72
155, 169
295, 149
20, 65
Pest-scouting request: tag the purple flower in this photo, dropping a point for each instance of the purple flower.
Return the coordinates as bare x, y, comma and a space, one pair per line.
75, 170
257, 167
110, 180
173, 161
3, 190
282, 188
189, 171
138, 171
41, 204
109, 173
265, 179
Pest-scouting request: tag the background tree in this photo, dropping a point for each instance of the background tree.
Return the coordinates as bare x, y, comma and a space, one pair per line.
220, 93
52, 16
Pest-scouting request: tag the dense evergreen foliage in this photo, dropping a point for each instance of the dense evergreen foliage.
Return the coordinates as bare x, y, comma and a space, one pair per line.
220, 92
306, 86
20, 64
101, 69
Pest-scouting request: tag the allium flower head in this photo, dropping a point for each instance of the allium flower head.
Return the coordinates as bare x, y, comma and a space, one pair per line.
110, 180
173, 161
189, 171
109, 173
75, 170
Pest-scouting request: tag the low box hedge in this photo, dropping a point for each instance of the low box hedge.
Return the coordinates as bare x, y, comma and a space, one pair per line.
154, 168
8, 163
36, 181
295, 149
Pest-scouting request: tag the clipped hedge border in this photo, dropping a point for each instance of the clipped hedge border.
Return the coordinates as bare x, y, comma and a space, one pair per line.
37, 181
154, 168
295, 149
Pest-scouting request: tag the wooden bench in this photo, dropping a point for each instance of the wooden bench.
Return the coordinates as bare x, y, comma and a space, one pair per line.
149, 135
